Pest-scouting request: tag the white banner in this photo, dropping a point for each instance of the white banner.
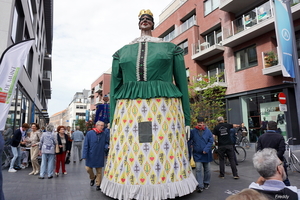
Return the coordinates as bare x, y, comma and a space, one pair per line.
11, 65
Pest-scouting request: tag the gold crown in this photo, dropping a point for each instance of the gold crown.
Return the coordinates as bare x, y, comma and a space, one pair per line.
148, 12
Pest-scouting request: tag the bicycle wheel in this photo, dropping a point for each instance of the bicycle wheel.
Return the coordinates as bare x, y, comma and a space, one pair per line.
295, 162
215, 156
245, 143
240, 153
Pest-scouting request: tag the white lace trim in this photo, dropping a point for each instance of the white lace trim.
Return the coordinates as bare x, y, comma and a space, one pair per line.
146, 38
149, 192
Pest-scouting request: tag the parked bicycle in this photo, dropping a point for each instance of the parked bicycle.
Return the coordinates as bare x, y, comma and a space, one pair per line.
292, 160
240, 153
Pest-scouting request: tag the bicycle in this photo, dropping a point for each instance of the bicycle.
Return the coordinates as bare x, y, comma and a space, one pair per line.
292, 158
240, 153
243, 140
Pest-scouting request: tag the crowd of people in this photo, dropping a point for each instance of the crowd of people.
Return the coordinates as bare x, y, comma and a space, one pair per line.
48, 149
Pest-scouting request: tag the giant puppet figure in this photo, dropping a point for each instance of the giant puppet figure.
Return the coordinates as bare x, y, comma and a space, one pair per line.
150, 115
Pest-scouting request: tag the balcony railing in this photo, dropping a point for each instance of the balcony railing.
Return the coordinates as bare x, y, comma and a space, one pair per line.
47, 74
90, 94
198, 47
249, 19
98, 88
180, 29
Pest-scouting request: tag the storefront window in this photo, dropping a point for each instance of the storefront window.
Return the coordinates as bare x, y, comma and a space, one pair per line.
258, 110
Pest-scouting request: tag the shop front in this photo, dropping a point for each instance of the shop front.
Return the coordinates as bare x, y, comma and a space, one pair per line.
257, 108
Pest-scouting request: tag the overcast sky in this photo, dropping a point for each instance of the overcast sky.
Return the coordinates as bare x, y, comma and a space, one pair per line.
86, 35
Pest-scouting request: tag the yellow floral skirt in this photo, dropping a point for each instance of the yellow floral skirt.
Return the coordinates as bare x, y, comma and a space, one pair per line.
155, 169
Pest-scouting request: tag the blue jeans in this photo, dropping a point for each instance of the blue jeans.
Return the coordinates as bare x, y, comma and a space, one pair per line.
47, 162
17, 156
202, 178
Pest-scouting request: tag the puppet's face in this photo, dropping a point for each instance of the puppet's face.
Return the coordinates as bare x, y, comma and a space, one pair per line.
105, 99
146, 23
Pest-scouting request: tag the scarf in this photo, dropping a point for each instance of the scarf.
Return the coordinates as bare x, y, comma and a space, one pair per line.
200, 128
97, 131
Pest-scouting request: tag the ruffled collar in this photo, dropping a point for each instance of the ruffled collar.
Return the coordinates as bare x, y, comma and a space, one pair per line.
146, 38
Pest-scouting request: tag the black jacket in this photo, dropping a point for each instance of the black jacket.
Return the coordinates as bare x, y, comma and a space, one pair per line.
68, 143
274, 140
16, 139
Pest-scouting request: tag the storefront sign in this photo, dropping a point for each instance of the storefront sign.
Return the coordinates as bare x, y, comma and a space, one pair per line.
283, 107
282, 98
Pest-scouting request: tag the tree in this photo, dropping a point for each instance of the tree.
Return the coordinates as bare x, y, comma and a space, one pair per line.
207, 99
82, 124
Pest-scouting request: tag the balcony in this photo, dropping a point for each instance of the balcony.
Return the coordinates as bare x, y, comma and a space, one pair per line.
249, 26
91, 94
271, 65
182, 28
98, 89
216, 74
235, 6
206, 49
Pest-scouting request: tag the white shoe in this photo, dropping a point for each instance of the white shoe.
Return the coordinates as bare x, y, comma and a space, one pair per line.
31, 173
12, 170
22, 166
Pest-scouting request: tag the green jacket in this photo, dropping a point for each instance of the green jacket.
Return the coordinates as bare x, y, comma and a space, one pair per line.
149, 70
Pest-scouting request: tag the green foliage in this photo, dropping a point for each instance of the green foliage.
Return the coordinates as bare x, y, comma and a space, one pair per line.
207, 99
81, 123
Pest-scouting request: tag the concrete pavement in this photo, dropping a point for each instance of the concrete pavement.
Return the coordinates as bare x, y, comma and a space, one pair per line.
75, 185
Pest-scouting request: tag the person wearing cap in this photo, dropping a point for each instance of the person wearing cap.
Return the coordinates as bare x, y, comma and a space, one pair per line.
201, 141
150, 120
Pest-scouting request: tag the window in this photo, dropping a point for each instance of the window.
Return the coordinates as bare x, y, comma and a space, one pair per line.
210, 5
17, 25
216, 69
246, 58
184, 45
29, 63
214, 37
297, 35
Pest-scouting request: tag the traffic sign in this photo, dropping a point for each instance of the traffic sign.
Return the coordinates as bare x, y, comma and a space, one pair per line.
282, 98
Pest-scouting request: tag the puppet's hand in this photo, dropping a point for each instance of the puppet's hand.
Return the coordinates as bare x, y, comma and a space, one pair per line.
188, 132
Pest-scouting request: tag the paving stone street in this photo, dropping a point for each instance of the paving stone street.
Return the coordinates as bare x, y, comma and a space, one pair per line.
76, 185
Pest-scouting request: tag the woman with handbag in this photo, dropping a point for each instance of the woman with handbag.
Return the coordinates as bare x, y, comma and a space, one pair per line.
35, 137
62, 148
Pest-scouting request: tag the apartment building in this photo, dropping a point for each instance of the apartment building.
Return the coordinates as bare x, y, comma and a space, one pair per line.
21, 20
99, 88
236, 38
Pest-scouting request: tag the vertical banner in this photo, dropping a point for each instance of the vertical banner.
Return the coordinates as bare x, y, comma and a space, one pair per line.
87, 115
11, 64
284, 36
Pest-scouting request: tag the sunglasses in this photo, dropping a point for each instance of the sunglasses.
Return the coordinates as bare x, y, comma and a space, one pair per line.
145, 18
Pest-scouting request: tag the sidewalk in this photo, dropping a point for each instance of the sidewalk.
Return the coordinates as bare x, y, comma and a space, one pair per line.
76, 184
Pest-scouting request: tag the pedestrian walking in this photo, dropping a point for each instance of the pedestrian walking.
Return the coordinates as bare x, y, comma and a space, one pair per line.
225, 146
77, 137
95, 144
201, 140
47, 151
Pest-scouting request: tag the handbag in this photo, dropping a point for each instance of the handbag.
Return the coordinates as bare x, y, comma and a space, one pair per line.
192, 162
67, 159
57, 150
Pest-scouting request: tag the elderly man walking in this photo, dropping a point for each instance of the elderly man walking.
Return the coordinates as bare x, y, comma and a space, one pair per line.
95, 144
77, 138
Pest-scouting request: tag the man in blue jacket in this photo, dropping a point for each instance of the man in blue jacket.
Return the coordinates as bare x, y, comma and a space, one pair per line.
201, 141
95, 144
